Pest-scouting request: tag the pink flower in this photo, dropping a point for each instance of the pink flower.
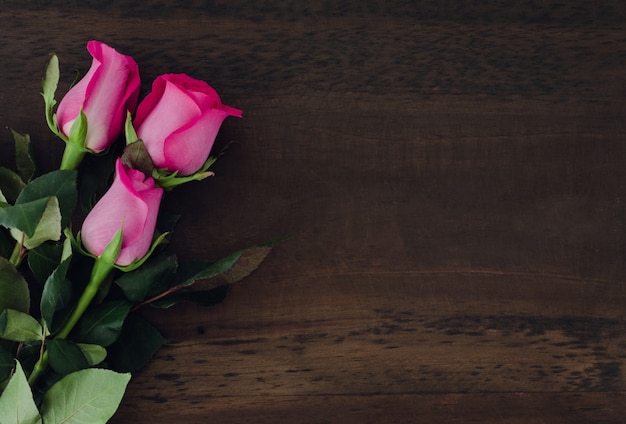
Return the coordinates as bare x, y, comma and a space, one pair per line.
108, 90
132, 203
179, 120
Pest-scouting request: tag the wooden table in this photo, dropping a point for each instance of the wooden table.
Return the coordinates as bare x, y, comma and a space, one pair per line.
452, 175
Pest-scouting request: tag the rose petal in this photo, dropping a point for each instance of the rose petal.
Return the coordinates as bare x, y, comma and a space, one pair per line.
131, 203
188, 157
172, 109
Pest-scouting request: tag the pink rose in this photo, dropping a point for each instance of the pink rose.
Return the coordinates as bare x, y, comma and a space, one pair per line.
106, 93
179, 120
132, 203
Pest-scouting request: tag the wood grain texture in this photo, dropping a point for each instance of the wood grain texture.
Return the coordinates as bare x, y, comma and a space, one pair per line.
452, 177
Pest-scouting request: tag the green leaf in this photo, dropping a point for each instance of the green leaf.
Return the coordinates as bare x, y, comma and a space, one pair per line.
136, 346
16, 403
102, 324
65, 356
28, 355
49, 86
6, 364
87, 396
19, 327
191, 271
248, 262
43, 260
10, 184
199, 297
14, 292
56, 296
48, 227
150, 279
60, 184
23, 156
6, 243
94, 354
24, 217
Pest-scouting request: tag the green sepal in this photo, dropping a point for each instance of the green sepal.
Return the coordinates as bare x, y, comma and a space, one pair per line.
112, 250
76, 243
19, 327
139, 262
137, 157
129, 130
75, 145
169, 180
78, 132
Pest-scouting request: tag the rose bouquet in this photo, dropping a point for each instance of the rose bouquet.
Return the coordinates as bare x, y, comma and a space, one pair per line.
83, 248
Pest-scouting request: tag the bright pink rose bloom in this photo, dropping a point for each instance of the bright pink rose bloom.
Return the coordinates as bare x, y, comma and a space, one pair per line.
106, 92
179, 120
132, 203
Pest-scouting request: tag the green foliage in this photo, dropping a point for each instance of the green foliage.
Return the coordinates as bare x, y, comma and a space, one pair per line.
48, 227
60, 184
16, 403
42, 208
43, 260
137, 344
152, 278
66, 356
6, 364
23, 156
26, 216
56, 296
19, 327
94, 354
10, 184
14, 292
199, 297
86, 396
102, 324
80, 326
49, 86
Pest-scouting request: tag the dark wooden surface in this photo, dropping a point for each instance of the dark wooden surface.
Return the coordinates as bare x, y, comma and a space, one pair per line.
452, 175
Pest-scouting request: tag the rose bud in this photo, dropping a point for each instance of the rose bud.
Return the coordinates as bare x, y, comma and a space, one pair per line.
132, 203
105, 94
178, 122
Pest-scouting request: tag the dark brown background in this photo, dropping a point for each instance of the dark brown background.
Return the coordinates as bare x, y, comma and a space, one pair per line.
452, 177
